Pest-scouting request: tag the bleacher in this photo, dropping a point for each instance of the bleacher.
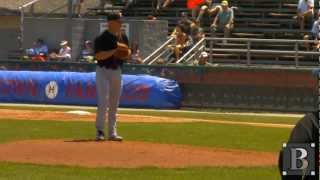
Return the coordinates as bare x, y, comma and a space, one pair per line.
253, 18
262, 19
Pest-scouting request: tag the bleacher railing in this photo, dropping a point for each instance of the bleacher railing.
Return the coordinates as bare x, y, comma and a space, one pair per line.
153, 57
194, 52
249, 51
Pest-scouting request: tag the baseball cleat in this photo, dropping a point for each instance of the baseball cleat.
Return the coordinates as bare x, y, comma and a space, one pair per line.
100, 136
115, 138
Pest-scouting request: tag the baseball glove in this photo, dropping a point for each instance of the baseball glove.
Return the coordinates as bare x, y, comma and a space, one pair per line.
123, 51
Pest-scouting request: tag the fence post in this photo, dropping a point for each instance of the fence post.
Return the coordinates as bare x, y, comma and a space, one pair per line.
21, 36
211, 46
296, 48
248, 52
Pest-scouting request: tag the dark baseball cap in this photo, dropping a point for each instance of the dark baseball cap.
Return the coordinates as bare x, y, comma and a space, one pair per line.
114, 16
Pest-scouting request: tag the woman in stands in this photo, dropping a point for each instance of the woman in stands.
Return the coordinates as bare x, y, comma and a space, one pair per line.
181, 41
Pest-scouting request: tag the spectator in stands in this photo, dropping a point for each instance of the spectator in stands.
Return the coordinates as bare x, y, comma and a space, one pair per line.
181, 41
39, 51
76, 7
209, 7
304, 12
64, 53
185, 22
224, 20
203, 58
315, 35
87, 53
135, 55
197, 32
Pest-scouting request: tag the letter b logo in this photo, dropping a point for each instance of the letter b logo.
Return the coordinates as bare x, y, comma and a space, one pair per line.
298, 159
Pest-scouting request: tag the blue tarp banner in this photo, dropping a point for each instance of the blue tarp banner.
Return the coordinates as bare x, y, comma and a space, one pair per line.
80, 89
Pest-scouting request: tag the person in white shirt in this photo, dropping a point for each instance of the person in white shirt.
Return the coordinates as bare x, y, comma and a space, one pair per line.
64, 52
304, 11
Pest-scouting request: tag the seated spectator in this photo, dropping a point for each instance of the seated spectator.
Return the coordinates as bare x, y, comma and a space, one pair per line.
203, 58
181, 41
76, 7
38, 52
185, 22
64, 53
209, 7
135, 55
315, 35
224, 20
197, 33
88, 53
304, 12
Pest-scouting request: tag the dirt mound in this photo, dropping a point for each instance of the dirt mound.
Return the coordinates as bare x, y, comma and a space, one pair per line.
87, 153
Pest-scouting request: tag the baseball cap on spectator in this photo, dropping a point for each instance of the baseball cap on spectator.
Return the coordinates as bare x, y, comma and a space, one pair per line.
88, 42
204, 54
64, 42
224, 3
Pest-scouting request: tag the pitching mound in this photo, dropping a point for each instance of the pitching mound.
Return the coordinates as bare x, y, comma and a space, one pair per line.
126, 154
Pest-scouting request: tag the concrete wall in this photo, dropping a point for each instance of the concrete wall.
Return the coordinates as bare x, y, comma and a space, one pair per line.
9, 31
149, 34
51, 31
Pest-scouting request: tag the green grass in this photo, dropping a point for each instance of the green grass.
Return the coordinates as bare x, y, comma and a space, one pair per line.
184, 114
11, 171
197, 134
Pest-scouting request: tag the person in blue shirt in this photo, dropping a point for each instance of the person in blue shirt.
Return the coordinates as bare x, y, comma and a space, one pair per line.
39, 51
224, 20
